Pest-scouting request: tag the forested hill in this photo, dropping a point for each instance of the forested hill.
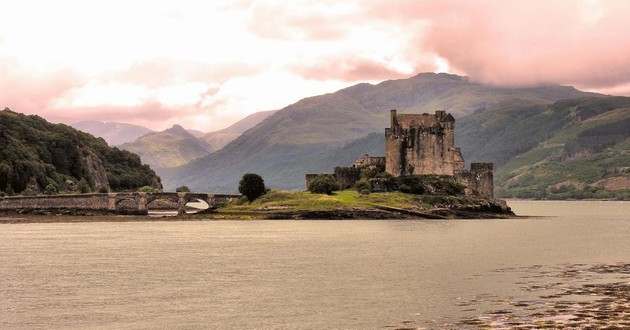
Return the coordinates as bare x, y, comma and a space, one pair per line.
577, 148
37, 156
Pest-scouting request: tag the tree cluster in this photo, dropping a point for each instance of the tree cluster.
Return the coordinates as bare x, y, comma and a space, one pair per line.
38, 155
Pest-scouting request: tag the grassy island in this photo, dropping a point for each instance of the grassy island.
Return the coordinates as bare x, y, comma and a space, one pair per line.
350, 204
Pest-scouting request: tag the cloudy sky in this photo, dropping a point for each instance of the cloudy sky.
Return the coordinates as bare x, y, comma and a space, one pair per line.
206, 64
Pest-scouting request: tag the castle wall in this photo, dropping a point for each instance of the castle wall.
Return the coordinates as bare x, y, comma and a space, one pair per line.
421, 144
480, 178
347, 176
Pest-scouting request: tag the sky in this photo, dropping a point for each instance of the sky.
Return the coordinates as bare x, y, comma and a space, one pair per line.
207, 64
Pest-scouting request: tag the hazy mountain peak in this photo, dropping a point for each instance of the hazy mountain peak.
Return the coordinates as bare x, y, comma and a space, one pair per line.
112, 132
179, 131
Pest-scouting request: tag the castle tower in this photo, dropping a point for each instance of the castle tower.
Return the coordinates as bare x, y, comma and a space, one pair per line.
418, 144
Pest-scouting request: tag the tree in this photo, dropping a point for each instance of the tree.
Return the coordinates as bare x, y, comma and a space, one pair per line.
252, 186
323, 184
182, 189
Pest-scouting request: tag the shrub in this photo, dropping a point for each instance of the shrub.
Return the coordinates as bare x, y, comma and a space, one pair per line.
51, 189
252, 186
147, 189
9, 191
241, 201
83, 186
182, 189
323, 184
362, 185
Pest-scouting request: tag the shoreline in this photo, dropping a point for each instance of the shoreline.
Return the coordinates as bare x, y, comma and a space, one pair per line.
345, 214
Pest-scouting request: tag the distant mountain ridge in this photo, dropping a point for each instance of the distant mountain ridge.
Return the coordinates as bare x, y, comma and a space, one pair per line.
221, 138
114, 133
169, 148
277, 147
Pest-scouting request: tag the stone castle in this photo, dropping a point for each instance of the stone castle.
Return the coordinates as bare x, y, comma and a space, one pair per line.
421, 144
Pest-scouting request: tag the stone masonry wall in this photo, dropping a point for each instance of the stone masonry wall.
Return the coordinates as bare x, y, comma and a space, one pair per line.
480, 178
418, 144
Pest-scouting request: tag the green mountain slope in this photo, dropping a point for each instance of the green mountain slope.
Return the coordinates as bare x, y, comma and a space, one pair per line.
219, 139
277, 147
575, 148
170, 148
114, 133
36, 155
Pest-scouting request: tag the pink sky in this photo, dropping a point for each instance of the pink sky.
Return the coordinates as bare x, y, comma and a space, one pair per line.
207, 64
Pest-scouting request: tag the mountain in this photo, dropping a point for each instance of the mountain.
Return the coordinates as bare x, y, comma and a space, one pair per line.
576, 148
219, 139
277, 147
114, 133
170, 148
36, 156
196, 133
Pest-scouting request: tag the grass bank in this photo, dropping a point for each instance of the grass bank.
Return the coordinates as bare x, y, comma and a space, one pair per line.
351, 204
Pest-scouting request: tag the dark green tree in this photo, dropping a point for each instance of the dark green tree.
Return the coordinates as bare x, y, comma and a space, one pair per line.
323, 184
182, 189
251, 186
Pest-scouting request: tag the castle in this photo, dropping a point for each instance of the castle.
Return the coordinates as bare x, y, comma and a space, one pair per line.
421, 144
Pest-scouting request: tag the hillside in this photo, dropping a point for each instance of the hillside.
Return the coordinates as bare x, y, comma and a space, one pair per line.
170, 148
219, 139
576, 148
276, 148
114, 133
37, 156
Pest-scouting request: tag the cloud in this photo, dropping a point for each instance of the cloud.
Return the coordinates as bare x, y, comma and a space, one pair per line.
208, 64
157, 72
584, 43
31, 93
295, 20
348, 68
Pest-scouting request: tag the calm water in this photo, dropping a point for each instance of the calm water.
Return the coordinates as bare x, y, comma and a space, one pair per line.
294, 274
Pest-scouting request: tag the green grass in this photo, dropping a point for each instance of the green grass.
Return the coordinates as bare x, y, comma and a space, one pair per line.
347, 199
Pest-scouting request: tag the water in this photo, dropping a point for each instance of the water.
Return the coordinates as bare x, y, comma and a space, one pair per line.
296, 274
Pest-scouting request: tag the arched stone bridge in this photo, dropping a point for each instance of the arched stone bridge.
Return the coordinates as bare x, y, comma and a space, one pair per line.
113, 202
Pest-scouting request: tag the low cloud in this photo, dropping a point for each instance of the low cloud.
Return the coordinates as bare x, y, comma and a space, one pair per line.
348, 68
583, 43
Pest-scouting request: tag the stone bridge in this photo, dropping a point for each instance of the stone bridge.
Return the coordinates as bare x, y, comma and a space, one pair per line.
136, 202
